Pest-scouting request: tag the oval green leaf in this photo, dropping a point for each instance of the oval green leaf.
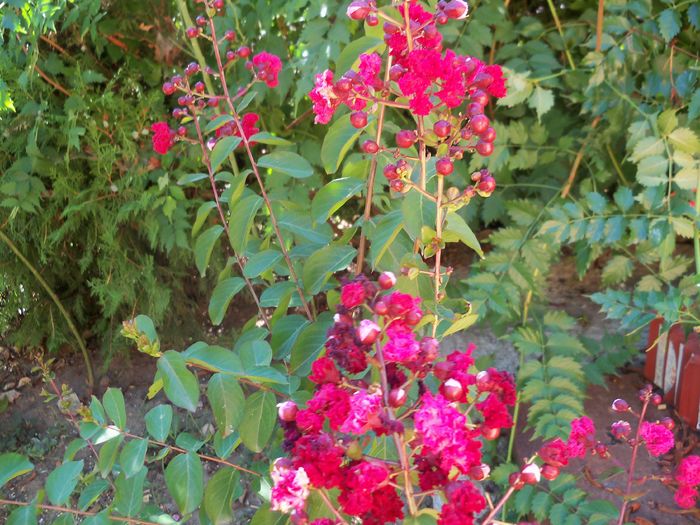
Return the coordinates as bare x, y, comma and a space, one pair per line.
259, 420
287, 163
224, 292
333, 195
184, 478
179, 383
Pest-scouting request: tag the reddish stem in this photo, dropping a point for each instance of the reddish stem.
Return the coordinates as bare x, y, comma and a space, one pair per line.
633, 462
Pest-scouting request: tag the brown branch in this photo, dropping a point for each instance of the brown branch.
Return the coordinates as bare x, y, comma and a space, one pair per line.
54, 45
599, 25
578, 159
74, 511
52, 82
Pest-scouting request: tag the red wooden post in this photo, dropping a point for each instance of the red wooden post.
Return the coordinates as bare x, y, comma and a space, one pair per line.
688, 402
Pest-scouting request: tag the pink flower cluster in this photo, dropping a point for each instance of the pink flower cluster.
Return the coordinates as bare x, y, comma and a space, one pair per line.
193, 98
688, 478
327, 438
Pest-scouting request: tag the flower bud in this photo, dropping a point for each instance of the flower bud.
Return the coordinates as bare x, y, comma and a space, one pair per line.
192, 32
483, 380
396, 72
602, 450
515, 481
359, 9
168, 88
287, 411
397, 397
550, 472
369, 146
397, 185
657, 399
358, 119
444, 166
381, 308
413, 317
479, 472
620, 405
620, 429
490, 433
442, 370
668, 422
442, 128
429, 349
354, 450
484, 148
386, 280
456, 9
405, 138
489, 135
530, 474
368, 331
452, 390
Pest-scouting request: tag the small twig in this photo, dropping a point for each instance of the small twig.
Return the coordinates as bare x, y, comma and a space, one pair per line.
51, 81
599, 26
74, 511
578, 159
330, 506
557, 22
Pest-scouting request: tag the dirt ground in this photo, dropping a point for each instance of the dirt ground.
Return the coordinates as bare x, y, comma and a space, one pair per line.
41, 432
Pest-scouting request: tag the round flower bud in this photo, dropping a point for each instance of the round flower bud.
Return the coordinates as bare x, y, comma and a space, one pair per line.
550, 472
397, 397
489, 135
370, 147
218, 5
381, 308
396, 72
483, 80
192, 69
201, 21
386, 280
657, 399
199, 87
287, 411
487, 185
405, 138
479, 472
368, 331
490, 433
515, 481
601, 450
530, 474
480, 97
620, 405
442, 370
182, 131
372, 20
483, 380
231, 55
479, 123
359, 9
620, 429
397, 185
413, 317
452, 390
230, 35
358, 119
441, 18
168, 88
444, 166
668, 422
474, 109
429, 349
442, 128
484, 148
243, 52
466, 133
390, 172
192, 32
456, 9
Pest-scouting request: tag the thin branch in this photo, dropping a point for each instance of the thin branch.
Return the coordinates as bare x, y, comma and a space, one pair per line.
578, 159
74, 511
599, 25
55, 84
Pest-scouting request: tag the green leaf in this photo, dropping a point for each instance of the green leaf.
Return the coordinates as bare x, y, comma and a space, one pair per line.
184, 478
204, 245
268, 138
158, 422
309, 345
457, 226
669, 23
219, 495
337, 142
227, 402
73, 448
129, 492
23, 515
260, 417
285, 333
13, 465
214, 358
687, 178
224, 147
541, 100
264, 516
333, 195
224, 292
89, 494
324, 262
132, 457
287, 163
113, 401
219, 121
618, 269
62, 481
108, 455
349, 57
653, 171
241, 221
417, 211
461, 323
683, 227
667, 121
191, 178
685, 139
261, 262
179, 383
64, 519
